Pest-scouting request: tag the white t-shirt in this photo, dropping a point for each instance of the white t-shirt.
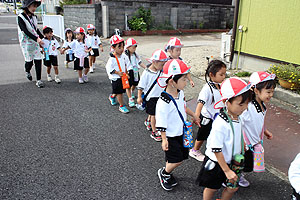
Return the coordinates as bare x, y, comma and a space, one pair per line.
112, 65
253, 120
147, 79
294, 173
135, 61
66, 44
93, 41
221, 138
52, 45
206, 97
167, 116
79, 48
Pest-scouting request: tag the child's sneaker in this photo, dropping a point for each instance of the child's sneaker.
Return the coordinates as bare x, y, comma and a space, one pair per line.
28, 76
131, 103
243, 182
66, 64
123, 109
156, 136
91, 70
196, 154
173, 181
148, 125
165, 180
39, 84
85, 78
49, 78
132, 96
112, 100
80, 80
140, 107
57, 80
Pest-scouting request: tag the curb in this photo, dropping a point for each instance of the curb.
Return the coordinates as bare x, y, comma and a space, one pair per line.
172, 32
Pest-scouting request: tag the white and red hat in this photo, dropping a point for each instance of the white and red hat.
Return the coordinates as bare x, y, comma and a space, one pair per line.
47, 27
158, 55
174, 42
232, 87
261, 76
79, 30
115, 39
171, 68
130, 42
90, 27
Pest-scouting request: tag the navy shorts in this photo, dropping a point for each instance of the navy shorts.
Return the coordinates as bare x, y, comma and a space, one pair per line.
117, 87
131, 79
151, 105
204, 130
176, 153
77, 63
52, 61
96, 52
68, 57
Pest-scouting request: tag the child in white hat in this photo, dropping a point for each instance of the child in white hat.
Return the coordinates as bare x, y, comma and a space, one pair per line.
151, 90
171, 114
133, 69
263, 86
225, 145
174, 48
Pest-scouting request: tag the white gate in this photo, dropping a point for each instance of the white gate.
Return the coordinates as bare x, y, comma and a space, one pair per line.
57, 23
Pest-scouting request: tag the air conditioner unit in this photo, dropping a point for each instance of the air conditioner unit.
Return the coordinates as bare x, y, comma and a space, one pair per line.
225, 46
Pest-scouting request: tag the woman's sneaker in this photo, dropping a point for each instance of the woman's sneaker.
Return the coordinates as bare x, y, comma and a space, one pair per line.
196, 154
156, 136
56, 79
148, 125
243, 182
123, 109
49, 78
165, 179
39, 84
28, 76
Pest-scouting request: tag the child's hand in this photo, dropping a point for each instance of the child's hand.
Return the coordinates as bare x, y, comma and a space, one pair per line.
119, 73
192, 83
128, 76
268, 134
87, 51
231, 176
40, 41
139, 100
196, 120
165, 145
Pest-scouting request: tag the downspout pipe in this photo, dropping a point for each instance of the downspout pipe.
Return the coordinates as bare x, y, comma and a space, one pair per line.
235, 20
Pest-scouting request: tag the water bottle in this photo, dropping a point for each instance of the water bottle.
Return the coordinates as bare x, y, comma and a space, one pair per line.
136, 73
188, 141
70, 52
46, 53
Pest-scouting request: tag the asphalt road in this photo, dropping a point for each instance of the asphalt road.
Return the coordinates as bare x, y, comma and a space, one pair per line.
65, 141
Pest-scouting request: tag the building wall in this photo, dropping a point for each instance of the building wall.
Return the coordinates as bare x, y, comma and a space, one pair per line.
272, 29
189, 15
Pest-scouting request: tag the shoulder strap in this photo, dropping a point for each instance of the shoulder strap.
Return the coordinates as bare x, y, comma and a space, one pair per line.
176, 108
151, 87
118, 63
242, 139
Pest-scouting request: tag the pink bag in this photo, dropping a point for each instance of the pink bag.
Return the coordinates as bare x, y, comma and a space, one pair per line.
258, 153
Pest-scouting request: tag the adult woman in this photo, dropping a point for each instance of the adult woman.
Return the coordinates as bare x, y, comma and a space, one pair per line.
30, 39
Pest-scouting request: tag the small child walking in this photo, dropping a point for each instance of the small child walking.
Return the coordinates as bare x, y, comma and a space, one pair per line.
133, 69
225, 147
81, 55
93, 41
50, 46
116, 67
294, 177
169, 121
263, 86
148, 85
209, 95
174, 48
69, 35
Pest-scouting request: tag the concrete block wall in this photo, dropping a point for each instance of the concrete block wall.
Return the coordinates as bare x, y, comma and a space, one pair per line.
189, 15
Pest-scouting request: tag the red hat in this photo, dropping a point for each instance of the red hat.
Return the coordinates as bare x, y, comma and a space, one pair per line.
115, 39
158, 55
90, 27
174, 42
130, 42
232, 87
79, 30
258, 77
171, 68
46, 27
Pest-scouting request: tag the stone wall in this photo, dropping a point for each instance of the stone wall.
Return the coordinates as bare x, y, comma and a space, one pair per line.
180, 15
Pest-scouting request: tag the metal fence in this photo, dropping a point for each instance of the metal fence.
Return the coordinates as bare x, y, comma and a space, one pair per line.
56, 22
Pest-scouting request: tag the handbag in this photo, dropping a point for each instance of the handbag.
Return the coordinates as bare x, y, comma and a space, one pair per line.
188, 141
258, 153
124, 78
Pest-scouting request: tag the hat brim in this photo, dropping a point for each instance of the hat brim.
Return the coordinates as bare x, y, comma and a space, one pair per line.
268, 78
161, 81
